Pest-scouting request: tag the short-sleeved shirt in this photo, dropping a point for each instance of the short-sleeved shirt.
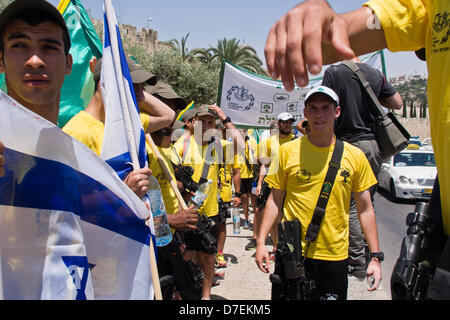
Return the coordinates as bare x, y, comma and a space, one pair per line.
240, 162
169, 197
357, 110
193, 155
409, 26
269, 150
86, 129
226, 173
301, 173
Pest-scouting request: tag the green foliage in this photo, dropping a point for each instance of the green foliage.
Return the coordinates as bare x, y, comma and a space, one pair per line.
191, 80
193, 74
231, 51
180, 48
414, 90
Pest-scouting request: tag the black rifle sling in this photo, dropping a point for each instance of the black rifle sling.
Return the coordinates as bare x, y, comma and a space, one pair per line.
319, 212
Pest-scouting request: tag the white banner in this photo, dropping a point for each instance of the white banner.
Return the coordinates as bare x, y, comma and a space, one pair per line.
253, 100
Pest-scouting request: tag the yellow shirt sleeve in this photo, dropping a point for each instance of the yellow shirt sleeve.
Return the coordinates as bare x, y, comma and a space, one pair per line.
86, 129
277, 178
405, 23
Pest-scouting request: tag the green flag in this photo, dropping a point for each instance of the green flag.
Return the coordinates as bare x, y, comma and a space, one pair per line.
78, 87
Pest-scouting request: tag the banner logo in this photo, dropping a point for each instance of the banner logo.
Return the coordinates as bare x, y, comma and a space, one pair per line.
239, 98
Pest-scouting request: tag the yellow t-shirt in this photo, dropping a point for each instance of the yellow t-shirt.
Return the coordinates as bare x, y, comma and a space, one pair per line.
269, 150
239, 161
90, 131
226, 173
302, 170
86, 129
169, 197
411, 25
193, 157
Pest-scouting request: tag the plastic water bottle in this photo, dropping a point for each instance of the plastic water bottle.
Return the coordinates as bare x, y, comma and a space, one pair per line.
236, 221
200, 195
162, 229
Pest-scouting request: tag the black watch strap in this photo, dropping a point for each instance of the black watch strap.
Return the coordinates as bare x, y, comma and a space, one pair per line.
378, 255
226, 120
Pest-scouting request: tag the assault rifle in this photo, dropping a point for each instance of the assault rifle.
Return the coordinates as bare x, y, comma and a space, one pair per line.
415, 266
186, 277
203, 230
288, 280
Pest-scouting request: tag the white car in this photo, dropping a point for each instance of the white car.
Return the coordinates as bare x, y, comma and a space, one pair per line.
409, 174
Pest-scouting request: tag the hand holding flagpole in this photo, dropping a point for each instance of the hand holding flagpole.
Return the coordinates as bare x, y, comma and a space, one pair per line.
116, 52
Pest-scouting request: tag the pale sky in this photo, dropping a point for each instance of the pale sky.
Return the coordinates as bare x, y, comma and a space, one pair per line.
208, 21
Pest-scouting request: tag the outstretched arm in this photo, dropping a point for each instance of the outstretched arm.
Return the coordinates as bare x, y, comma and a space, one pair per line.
312, 34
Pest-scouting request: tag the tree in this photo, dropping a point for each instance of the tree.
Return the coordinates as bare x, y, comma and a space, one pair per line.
240, 55
179, 47
405, 111
191, 80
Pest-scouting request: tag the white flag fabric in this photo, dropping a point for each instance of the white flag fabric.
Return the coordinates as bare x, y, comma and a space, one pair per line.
124, 139
69, 227
253, 100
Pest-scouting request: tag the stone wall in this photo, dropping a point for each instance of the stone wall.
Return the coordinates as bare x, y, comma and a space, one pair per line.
416, 126
147, 38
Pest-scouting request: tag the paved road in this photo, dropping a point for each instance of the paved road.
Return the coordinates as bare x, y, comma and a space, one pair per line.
391, 222
244, 281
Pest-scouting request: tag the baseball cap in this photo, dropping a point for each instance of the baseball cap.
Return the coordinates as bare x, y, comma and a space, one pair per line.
323, 90
138, 75
203, 110
37, 7
165, 91
285, 116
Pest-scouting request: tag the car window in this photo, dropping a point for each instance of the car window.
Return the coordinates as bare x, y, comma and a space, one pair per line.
406, 159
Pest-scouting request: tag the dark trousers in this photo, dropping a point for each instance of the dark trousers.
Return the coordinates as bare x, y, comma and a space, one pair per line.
356, 249
330, 277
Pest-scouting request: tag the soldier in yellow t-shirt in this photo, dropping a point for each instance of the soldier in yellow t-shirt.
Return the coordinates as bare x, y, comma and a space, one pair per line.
193, 154
399, 25
245, 162
268, 157
303, 164
226, 193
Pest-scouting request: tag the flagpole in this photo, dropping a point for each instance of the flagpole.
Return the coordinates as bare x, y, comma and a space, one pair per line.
131, 140
117, 66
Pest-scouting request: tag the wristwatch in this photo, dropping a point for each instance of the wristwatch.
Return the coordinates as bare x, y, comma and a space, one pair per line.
378, 255
226, 120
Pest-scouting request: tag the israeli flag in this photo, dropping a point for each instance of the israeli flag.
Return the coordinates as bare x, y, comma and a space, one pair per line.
124, 140
69, 227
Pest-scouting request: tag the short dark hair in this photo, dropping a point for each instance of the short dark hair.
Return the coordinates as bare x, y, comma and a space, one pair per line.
33, 18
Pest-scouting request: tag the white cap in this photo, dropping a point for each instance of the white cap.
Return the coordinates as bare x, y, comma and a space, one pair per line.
324, 90
285, 116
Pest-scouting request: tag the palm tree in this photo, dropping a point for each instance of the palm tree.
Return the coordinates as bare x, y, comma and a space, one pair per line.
181, 49
241, 55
